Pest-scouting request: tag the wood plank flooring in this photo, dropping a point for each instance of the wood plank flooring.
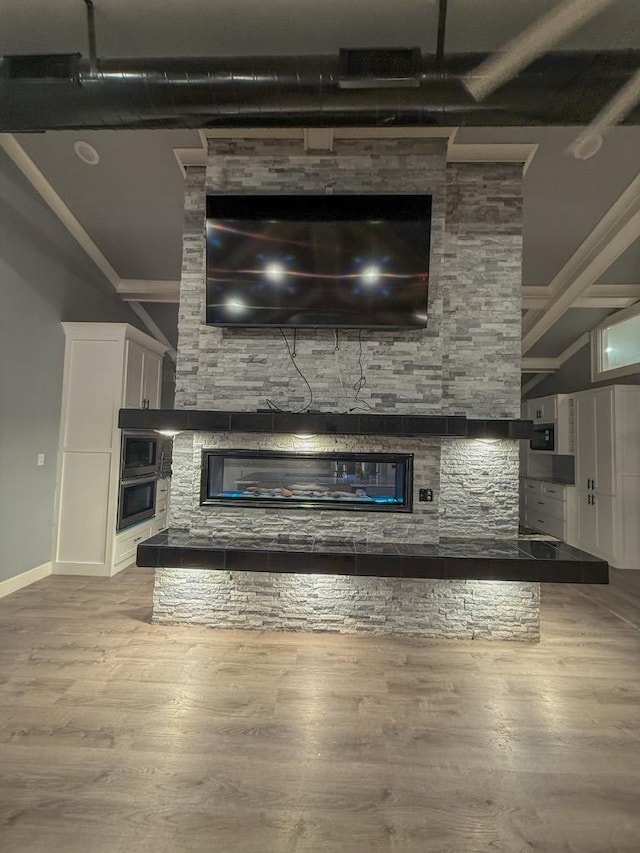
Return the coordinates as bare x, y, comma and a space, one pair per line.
117, 735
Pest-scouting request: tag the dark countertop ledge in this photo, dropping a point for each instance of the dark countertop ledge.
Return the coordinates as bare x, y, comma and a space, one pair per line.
325, 423
453, 559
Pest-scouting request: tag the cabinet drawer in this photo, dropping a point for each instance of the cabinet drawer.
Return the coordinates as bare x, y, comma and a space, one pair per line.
127, 543
163, 488
547, 506
161, 506
159, 523
554, 491
532, 487
552, 526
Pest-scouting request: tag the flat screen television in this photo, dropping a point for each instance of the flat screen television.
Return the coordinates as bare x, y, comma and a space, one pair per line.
318, 260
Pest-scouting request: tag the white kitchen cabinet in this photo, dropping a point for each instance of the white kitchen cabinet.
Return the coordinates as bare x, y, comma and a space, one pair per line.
595, 462
543, 410
549, 508
608, 473
554, 412
108, 366
143, 377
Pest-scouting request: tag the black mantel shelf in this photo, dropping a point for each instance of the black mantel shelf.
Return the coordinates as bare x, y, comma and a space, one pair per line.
461, 559
323, 423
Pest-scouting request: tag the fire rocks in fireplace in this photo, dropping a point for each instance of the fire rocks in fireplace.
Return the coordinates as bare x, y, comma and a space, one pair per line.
351, 481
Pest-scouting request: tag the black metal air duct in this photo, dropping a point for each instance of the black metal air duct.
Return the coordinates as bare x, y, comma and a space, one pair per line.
62, 92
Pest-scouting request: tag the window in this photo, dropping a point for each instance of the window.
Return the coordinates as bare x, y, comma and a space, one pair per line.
615, 345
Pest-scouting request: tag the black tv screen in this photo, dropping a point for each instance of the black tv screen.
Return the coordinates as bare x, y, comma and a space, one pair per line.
330, 260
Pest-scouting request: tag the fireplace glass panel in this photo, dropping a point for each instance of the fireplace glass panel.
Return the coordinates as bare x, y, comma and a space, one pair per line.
313, 480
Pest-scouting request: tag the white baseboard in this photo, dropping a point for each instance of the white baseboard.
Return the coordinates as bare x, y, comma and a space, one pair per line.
91, 570
24, 579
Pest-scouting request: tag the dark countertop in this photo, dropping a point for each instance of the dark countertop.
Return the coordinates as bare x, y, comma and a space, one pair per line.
469, 559
324, 423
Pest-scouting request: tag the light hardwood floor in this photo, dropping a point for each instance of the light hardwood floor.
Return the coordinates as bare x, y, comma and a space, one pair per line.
117, 735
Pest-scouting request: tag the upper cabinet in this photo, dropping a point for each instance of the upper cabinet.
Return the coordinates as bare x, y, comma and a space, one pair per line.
544, 410
553, 424
143, 377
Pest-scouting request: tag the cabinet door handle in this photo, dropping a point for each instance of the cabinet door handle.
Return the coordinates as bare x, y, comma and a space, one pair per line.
541, 503
137, 539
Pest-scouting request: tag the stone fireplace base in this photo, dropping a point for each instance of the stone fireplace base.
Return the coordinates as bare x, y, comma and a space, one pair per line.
438, 609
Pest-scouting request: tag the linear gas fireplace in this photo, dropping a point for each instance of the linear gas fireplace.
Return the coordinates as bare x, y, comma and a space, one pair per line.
379, 482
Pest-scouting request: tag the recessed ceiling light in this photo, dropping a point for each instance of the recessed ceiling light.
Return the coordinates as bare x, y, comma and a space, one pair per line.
87, 153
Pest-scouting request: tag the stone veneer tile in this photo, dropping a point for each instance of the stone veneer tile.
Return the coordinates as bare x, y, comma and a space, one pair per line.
342, 604
467, 361
421, 525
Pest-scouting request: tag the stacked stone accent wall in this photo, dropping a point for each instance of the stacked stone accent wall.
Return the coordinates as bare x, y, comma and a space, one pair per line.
467, 361
342, 604
421, 525
481, 289
479, 488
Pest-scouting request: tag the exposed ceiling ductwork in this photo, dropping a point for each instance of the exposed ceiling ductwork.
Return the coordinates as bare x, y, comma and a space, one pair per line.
354, 88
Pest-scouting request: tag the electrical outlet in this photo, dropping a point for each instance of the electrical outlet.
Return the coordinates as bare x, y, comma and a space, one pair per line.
425, 495
40, 459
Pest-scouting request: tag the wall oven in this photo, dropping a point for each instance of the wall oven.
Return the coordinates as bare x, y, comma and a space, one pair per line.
140, 454
136, 501
544, 438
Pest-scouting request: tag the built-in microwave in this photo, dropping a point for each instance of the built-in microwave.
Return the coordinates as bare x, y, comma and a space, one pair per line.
140, 454
136, 501
544, 437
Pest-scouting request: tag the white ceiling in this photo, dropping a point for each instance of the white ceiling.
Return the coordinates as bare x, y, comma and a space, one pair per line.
131, 203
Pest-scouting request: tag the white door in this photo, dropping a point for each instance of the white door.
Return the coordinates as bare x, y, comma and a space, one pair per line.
587, 521
133, 376
586, 468
548, 410
151, 377
604, 509
605, 472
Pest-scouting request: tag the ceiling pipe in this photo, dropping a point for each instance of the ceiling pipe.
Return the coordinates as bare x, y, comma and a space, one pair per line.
396, 87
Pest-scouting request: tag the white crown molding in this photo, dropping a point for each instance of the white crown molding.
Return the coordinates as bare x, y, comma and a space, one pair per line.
149, 290
616, 231
595, 296
493, 152
41, 185
322, 139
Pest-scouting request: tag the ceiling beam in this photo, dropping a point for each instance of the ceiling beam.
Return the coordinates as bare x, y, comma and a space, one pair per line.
595, 296
41, 185
549, 365
616, 231
148, 290
531, 383
539, 365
